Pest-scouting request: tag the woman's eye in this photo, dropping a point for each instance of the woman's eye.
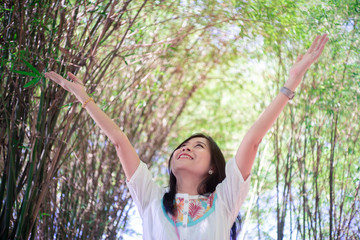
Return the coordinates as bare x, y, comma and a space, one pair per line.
200, 145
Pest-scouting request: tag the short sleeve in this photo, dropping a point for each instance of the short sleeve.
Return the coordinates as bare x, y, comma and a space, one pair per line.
142, 188
233, 190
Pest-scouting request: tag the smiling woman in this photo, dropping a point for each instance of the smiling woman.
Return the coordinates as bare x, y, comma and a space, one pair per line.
202, 172
191, 164
204, 196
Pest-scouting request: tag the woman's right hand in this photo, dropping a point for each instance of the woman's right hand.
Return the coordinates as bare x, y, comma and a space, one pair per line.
76, 87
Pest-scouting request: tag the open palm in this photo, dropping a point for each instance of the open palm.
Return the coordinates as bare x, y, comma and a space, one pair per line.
303, 62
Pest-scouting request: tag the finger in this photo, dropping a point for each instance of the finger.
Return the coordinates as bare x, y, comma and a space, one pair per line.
51, 74
58, 79
321, 46
321, 41
47, 75
313, 45
319, 51
74, 78
52, 77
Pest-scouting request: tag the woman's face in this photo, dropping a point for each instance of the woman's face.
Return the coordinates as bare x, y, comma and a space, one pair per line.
192, 157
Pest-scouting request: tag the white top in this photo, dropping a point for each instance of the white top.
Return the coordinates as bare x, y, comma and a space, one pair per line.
199, 217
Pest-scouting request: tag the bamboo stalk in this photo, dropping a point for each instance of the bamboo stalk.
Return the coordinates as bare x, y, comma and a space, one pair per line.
331, 173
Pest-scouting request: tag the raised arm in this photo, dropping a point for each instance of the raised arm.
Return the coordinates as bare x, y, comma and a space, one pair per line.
125, 151
246, 152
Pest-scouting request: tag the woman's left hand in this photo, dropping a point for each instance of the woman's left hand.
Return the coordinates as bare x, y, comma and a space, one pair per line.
303, 62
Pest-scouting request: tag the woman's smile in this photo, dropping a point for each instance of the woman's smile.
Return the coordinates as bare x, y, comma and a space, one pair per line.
185, 155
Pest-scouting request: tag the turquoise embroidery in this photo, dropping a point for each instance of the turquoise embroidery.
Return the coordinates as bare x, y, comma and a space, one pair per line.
199, 209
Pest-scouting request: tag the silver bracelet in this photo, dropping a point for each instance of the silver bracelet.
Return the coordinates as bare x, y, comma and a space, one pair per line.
287, 92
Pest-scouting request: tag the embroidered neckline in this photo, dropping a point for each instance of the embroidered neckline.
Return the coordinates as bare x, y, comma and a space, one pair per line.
198, 208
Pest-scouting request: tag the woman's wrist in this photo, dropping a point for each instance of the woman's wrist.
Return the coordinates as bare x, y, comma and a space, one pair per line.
291, 84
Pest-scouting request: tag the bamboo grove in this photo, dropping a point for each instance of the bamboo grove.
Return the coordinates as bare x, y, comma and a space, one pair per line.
162, 70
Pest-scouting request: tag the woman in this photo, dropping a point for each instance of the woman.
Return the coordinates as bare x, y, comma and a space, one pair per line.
201, 203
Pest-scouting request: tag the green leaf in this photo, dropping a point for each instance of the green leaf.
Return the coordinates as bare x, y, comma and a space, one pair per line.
124, 60
32, 67
24, 147
67, 105
44, 214
32, 82
26, 73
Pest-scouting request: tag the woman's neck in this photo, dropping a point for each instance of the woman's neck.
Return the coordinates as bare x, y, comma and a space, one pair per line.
188, 185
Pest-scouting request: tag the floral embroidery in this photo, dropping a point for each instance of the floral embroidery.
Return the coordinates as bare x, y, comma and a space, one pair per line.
195, 209
199, 208
179, 209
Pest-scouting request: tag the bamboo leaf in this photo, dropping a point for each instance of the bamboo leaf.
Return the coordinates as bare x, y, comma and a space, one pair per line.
32, 82
26, 73
67, 105
31, 67
124, 60
44, 214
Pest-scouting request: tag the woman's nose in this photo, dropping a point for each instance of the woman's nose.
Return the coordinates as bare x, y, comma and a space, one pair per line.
186, 149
